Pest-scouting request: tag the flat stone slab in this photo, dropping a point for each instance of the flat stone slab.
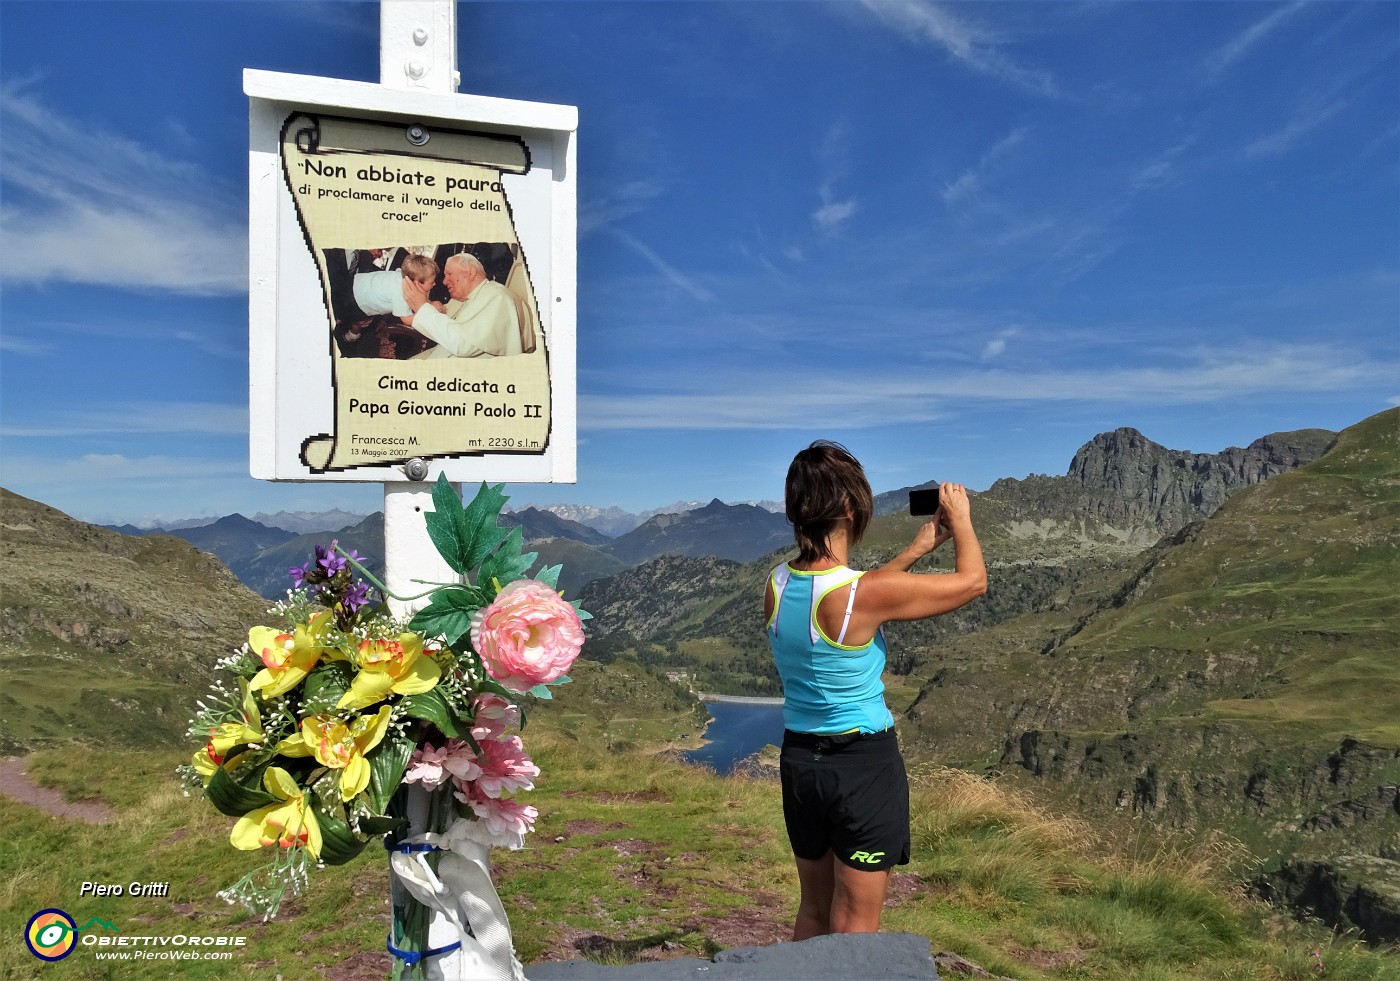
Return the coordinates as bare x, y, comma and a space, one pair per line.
840, 957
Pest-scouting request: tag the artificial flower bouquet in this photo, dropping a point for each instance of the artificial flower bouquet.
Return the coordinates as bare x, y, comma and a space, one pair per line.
332, 717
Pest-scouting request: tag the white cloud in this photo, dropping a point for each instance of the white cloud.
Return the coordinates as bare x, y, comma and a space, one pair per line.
223, 340
10, 344
1197, 377
627, 200
86, 206
206, 418
968, 43
1240, 45
46, 474
1282, 139
672, 274
833, 156
1161, 171
832, 214
994, 348
970, 182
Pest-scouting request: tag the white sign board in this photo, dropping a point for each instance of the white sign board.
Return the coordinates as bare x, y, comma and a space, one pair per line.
412, 283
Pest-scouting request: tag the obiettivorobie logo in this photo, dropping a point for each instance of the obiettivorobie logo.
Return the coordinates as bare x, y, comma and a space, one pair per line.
51, 934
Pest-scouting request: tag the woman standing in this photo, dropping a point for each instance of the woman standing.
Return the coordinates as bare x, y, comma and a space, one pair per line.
845, 794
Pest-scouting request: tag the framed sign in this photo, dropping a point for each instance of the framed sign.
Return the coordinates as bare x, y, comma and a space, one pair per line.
412, 261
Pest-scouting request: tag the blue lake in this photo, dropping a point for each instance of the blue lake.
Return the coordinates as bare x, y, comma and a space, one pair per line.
739, 729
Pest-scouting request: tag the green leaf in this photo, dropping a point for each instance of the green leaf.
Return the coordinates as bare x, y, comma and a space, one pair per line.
550, 575
542, 690
490, 684
386, 769
482, 519
448, 614
375, 826
507, 563
338, 843
465, 536
443, 525
432, 706
234, 799
324, 686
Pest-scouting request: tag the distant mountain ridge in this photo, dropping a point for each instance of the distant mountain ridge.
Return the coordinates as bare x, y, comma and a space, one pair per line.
539, 525
310, 522
295, 522
733, 531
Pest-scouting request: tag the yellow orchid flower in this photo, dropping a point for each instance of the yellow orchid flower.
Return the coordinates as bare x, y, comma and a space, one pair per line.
339, 746
224, 737
397, 666
288, 658
288, 823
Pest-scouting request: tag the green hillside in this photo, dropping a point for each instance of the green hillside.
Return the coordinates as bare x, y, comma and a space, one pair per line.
106, 639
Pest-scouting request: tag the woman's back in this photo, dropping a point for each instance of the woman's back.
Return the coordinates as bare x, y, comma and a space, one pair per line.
828, 686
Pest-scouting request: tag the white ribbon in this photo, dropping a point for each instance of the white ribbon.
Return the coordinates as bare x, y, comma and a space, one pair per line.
462, 902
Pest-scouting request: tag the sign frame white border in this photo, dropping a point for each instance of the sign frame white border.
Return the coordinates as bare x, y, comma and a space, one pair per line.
271, 96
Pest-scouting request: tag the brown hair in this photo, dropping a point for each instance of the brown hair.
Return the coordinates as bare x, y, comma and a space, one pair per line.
823, 482
419, 267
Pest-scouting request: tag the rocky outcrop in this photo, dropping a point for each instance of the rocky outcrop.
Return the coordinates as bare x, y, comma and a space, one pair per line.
1351, 892
839, 957
1146, 483
1124, 482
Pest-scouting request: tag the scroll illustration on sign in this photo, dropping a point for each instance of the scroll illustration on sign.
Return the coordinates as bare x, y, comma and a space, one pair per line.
433, 330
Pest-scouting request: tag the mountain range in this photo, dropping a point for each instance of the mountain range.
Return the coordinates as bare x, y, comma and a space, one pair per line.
261, 555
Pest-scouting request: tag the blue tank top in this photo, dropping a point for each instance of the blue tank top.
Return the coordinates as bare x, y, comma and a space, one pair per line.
828, 686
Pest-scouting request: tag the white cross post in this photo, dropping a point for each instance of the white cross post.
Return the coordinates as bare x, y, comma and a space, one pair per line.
417, 50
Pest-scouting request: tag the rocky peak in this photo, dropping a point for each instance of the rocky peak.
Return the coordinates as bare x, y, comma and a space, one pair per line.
1122, 480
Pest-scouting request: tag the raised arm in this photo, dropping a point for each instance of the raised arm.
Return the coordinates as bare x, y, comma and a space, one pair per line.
892, 592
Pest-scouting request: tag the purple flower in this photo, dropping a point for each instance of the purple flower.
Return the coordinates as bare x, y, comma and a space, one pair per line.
298, 575
329, 560
356, 596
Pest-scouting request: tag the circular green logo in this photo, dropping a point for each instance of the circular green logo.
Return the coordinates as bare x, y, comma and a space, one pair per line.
51, 935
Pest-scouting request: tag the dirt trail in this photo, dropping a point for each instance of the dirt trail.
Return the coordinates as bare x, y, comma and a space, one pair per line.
15, 782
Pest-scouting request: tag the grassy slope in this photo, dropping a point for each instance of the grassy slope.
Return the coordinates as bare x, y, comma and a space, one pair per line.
1298, 577
104, 638
637, 857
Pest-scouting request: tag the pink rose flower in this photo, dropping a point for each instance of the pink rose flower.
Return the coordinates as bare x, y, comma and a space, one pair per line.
528, 636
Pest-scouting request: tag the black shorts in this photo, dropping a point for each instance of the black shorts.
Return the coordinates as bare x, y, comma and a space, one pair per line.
846, 794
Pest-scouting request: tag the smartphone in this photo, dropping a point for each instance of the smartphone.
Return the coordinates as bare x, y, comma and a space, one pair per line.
924, 500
